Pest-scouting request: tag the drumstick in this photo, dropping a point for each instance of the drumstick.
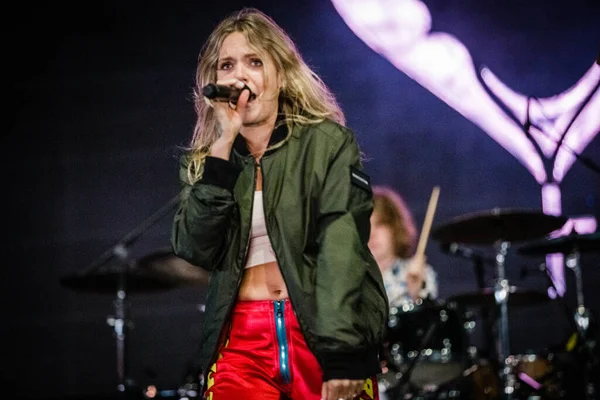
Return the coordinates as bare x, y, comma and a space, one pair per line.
428, 220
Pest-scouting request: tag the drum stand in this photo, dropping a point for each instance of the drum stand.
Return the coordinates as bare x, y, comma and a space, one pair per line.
582, 321
488, 335
119, 321
405, 377
424, 342
579, 322
582, 314
501, 293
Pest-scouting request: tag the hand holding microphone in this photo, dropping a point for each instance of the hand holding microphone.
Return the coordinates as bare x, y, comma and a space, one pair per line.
231, 97
225, 93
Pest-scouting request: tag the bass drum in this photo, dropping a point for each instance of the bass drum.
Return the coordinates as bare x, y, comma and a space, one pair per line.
537, 376
425, 349
478, 382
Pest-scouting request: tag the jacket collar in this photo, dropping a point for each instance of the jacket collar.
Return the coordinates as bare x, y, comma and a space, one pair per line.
278, 135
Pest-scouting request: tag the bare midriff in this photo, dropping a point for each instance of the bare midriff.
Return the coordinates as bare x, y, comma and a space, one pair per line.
264, 281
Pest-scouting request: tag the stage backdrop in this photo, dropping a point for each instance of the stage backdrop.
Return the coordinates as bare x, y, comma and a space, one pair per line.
99, 102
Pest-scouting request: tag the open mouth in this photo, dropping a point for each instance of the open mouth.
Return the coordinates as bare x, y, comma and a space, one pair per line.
252, 94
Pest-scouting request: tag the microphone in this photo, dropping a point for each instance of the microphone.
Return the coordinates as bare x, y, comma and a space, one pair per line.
225, 93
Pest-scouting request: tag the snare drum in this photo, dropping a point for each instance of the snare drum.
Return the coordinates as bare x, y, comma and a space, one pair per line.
432, 337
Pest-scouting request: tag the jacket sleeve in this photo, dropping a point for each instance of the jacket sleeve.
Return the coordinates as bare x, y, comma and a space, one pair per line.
348, 283
205, 212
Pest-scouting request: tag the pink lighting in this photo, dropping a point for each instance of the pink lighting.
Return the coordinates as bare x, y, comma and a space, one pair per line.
554, 115
551, 201
399, 30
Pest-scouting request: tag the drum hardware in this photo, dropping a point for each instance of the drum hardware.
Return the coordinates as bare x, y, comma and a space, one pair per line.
484, 383
425, 350
172, 270
536, 376
479, 260
189, 390
486, 298
575, 357
192, 381
405, 376
469, 322
114, 271
156, 272
501, 296
500, 228
121, 279
498, 225
582, 314
562, 244
572, 246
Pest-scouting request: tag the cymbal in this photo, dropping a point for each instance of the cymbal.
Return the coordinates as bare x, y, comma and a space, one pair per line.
488, 227
172, 269
485, 298
106, 281
562, 244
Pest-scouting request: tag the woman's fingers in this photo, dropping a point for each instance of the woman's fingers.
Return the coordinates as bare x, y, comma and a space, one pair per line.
231, 82
345, 389
230, 115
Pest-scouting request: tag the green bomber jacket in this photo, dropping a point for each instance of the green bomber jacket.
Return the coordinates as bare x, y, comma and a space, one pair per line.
317, 204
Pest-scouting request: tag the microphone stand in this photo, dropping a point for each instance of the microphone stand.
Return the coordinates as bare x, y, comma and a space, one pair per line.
119, 321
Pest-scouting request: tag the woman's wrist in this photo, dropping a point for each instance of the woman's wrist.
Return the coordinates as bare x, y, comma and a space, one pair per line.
221, 148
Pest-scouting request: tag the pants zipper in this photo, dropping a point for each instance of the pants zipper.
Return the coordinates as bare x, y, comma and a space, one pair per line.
282, 344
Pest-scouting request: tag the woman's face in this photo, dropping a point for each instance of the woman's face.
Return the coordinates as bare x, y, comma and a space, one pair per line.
237, 60
381, 241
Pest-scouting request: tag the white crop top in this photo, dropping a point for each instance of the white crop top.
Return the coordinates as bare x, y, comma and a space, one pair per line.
260, 251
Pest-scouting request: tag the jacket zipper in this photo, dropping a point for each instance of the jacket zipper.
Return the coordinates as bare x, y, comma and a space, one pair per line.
281, 335
249, 226
282, 344
231, 303
267, 227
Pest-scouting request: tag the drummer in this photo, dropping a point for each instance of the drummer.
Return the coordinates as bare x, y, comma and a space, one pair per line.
407, 277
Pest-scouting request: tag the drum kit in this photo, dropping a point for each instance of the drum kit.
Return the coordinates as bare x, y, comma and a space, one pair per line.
429, 351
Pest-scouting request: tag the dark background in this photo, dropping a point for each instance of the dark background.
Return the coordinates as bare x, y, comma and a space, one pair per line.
98, 103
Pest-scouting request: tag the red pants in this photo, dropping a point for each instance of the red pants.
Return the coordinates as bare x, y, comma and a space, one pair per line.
266, 358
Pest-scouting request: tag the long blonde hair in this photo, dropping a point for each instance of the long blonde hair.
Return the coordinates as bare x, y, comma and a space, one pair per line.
303, 97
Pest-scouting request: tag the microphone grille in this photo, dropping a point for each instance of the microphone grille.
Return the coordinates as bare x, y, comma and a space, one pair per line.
210, 91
